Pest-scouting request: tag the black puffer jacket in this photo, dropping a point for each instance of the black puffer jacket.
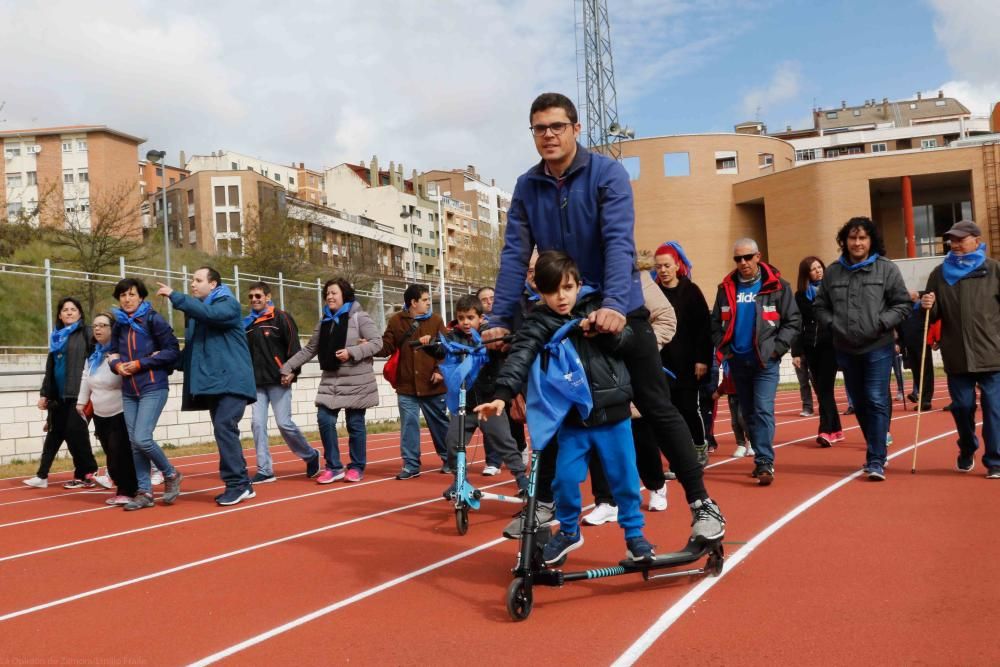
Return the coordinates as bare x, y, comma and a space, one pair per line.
79, 345
813, 336
610, 385
273, 340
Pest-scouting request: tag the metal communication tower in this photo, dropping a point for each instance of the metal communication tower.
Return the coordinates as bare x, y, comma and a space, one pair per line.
600, 102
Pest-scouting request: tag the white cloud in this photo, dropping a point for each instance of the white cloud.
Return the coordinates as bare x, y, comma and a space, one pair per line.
784, 86
967, 33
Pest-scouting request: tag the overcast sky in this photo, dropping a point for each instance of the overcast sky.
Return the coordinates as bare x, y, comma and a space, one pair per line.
441, 84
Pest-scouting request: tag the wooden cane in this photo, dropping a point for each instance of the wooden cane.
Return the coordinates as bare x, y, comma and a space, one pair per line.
920, 389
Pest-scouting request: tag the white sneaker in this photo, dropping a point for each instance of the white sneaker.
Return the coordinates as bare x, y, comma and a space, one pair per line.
156, 478
103, 480
37, 482
603, 513
490, 471
741, 451
658, 499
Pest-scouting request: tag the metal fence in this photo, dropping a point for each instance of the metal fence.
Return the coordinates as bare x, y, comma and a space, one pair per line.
32, 291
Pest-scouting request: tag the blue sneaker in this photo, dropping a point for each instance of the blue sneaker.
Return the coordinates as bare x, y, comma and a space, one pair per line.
638, 550
560, 545
876, 471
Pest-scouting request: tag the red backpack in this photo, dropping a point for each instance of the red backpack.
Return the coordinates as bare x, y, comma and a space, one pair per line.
391, 369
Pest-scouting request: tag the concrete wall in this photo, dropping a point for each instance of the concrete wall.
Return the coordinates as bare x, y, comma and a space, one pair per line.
21, 421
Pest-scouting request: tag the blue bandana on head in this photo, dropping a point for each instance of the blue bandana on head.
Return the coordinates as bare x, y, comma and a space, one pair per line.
956, 267
57, 341
95, 359
329, 315
257, 314
219, 292
123, 318
554, 391
812, 288
854, 267
457, 369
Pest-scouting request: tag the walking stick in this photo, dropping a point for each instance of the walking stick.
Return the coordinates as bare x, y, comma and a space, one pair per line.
920, 389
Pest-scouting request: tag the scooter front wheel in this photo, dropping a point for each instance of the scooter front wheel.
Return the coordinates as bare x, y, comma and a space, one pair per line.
519, 599
462, 519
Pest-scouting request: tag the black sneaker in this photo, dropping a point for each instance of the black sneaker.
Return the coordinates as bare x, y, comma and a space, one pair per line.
638, 550
965, 462
764, 472
712, 444
446, 470
407, 474
235, 494
449, 493
261, 478
993, 473
312, 466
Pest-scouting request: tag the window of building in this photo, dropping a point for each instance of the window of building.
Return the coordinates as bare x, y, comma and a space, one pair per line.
84, 206
220, 223
32, 178
159, 172
806, 154
406, 229
234, 195
676, 164
913, 105
68, 177
234, 222
190, 197
83, 176
12, 151
14, 209
172, 180
277, 177
33, 149
67, 146
191, 224
291, 180
13, 180
857, 112
940, 103
220, 195
249, 168
725, 162
852, 150
632, 167
928, 143
70, 206
879, 148
831, 115
765, 159
81, 145
234, 166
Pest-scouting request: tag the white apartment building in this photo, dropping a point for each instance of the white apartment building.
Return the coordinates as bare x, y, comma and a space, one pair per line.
282, 174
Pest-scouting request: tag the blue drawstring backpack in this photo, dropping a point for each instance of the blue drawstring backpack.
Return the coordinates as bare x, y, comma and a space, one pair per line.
455, 369
555, 390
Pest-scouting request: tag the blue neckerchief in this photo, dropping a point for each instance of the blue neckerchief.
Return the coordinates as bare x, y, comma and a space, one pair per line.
532, 294
256, 314
216, 294
97, 356
668, 372
554, 391
872, 258
123, 318
812, 288
956, 267
329, 315
457, 369
421, 318
684, 259
57, 341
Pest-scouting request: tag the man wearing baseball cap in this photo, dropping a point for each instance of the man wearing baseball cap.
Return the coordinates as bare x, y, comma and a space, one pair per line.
964, 294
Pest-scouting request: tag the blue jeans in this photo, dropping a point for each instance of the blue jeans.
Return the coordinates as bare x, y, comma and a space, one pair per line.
756, 388
280, 399
226, 411
867, 378
141, 415
962, 387
357, 437
434, 409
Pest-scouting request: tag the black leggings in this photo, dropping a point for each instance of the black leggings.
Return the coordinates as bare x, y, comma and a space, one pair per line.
65, 425
113, 436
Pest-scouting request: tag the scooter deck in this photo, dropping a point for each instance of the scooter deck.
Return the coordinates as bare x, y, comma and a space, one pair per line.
692, 551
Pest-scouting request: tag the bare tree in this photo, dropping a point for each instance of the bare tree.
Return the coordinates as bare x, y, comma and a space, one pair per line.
481, 260
95, 234
274, 241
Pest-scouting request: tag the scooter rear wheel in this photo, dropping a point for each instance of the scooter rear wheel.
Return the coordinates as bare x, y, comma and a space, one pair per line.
519, 600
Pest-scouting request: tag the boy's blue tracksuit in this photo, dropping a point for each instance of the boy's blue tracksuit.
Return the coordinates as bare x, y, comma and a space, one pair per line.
605, 430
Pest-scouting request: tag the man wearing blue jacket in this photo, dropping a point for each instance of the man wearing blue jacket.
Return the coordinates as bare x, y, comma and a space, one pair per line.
581, 203
218, 373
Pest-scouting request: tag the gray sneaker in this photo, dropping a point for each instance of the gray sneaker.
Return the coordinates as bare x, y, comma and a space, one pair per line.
702, 453
141, 501
544, 513
707, 522
172, 488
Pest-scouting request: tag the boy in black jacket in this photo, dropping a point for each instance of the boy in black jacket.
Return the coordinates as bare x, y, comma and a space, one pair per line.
605, 429
496, 432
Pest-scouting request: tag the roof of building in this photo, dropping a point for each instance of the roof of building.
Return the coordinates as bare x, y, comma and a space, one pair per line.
900, 113
364, 173
69, 129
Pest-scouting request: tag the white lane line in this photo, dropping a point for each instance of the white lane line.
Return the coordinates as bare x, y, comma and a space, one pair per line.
231, 554
670, 616
199, 517
302, 620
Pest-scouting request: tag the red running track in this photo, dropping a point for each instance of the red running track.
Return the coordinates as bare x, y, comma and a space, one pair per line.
823, 568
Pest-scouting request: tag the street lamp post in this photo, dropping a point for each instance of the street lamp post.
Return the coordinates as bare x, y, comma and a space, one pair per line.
160, 157
437, 196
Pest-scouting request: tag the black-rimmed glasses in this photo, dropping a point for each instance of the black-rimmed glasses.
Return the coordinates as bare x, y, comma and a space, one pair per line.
557, 129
